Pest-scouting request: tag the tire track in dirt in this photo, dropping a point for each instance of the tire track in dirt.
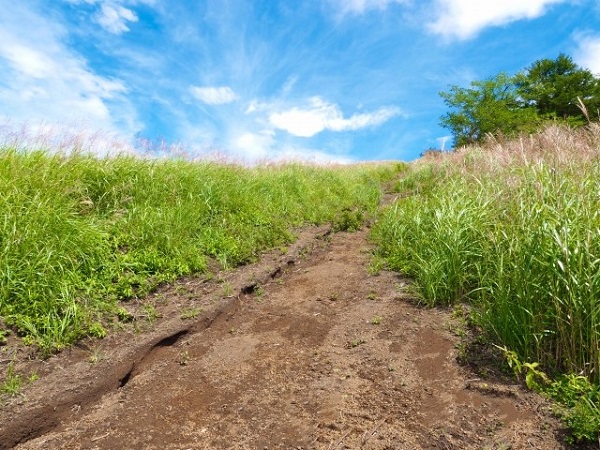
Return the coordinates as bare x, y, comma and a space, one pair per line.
317, 355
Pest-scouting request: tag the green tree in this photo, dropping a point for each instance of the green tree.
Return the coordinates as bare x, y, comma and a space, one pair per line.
553, 87
489, 106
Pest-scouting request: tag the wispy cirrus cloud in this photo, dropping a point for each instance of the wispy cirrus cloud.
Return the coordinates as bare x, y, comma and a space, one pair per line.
321, 115
114, 17
360, 6
463, 19
50, 82
214, 95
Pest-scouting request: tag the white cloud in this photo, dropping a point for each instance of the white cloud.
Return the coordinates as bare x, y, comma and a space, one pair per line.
321, 115
114, 17
463, 19
254, 145
53, 78
588, 53
260, 147
26, 60
42, 79
214, 95
360, 6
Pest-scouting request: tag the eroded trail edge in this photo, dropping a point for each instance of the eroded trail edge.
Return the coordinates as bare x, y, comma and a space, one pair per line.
307, 351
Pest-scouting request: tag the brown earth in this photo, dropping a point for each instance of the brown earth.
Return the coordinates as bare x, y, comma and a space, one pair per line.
303, 350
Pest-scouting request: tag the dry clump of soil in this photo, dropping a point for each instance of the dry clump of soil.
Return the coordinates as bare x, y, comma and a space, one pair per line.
303, 350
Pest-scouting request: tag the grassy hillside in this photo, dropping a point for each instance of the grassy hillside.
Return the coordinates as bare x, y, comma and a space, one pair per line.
513, 228
78, 234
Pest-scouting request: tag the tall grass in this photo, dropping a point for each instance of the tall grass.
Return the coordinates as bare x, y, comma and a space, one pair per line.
80, 233
514, 228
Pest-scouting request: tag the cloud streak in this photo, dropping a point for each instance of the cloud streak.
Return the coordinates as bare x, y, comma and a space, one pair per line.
361, 6
114, 17
214, 95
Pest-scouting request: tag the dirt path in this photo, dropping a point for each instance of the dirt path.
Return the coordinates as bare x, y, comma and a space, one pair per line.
304, 350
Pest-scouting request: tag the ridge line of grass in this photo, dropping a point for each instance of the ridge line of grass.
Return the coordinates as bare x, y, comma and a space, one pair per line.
79, 234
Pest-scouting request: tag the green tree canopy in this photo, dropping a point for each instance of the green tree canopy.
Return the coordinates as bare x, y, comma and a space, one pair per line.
507, 105
488, 106
553, 87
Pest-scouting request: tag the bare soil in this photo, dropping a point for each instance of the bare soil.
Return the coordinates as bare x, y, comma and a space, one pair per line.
302, 350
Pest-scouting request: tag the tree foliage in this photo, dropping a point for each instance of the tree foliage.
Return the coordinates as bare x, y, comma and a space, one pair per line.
553, 87
486, 107
508, 105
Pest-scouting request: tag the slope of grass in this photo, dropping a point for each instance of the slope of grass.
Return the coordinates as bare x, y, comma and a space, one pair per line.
514, 228
78, 233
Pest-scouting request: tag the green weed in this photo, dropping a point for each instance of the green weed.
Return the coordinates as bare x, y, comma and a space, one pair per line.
150, 313
184, 358
349, 220
355, 342
578, 399
13, 382
3, 336
97, 330
190, 313
227, 289
580, 408
97, 355
376, 320
376, 265
124, 316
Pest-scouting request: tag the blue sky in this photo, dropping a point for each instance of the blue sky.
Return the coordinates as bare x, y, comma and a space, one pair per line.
323, 80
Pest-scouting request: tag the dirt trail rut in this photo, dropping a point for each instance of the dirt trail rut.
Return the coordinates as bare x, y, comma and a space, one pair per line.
316, 354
